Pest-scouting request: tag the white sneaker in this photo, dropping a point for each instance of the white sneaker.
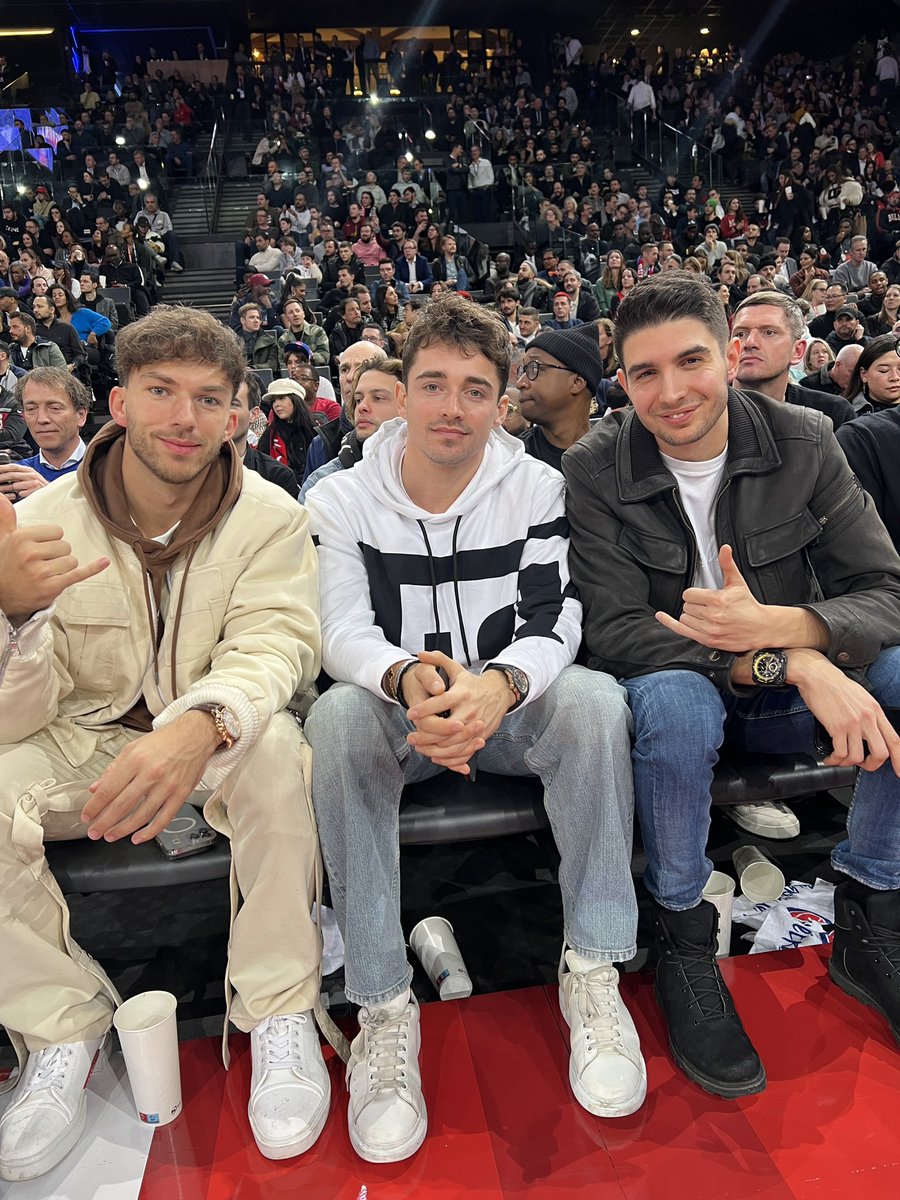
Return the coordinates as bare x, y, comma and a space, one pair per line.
290, 1091
606, 1069
46, 1118
176, 266
387, 1116
767, 819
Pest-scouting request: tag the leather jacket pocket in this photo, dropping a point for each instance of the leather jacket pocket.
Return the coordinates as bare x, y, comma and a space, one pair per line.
780, 562
666, 563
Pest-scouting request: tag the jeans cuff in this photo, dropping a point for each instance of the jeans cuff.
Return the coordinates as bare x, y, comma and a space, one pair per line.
370, 999
604, 956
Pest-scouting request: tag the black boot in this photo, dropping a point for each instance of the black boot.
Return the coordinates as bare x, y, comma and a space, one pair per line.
865, 957
706, 1036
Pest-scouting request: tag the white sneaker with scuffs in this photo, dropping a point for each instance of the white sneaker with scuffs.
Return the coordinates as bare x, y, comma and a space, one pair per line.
48, 1112
290, 1089
387, 1116
606, 1069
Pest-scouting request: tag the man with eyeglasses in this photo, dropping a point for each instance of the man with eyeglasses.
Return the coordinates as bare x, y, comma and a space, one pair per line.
557, 382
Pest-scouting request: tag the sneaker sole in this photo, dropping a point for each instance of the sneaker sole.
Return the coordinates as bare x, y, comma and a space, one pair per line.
772, 832
33, 1168
852, 988
375, 1154
279, 1150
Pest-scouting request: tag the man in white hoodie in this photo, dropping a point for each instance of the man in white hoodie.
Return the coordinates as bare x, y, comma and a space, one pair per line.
451, 626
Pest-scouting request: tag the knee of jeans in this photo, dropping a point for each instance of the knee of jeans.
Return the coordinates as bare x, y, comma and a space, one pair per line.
589, 698
345, 708
884, 677
679, 704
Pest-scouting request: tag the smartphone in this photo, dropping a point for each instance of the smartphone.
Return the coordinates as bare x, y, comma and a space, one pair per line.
187, 833
5, 458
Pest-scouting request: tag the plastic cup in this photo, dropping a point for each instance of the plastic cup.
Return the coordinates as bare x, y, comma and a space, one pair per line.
435, 947
719, 891
760, 879
148, 1035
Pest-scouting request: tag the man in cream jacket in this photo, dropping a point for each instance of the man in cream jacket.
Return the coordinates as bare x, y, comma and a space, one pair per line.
158, 610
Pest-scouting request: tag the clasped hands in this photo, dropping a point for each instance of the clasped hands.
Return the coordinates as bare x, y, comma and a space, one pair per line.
475, 704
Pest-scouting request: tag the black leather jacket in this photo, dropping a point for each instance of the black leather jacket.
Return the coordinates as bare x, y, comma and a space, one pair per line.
803, 531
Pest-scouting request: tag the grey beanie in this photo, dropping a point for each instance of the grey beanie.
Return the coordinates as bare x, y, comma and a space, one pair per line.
577, 348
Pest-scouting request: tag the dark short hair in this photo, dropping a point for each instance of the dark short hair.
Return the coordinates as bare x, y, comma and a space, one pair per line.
453, 321
254, 389
671, 296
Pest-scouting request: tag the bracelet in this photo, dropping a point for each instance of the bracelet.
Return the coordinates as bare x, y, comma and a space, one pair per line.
414, 662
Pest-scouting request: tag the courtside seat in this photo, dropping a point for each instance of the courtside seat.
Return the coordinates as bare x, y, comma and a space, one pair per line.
444, 809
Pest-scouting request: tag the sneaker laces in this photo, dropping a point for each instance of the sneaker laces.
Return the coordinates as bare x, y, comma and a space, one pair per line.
387, 1050
51, 1068
594, 993
707, 987
281, 1043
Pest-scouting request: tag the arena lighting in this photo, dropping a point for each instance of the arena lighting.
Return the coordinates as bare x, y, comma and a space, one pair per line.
374, 98
120, 141
408, 156
430, 135
143, 184
20, 188
395, 91
705, 30
635, 32
8, 33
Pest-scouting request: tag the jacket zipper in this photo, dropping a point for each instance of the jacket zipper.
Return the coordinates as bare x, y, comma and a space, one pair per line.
848, 493
692, 537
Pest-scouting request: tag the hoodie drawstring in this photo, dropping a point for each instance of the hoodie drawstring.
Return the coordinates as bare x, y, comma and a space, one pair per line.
434, 593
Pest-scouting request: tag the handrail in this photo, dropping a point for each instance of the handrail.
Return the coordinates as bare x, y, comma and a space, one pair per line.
680, 150
14, 83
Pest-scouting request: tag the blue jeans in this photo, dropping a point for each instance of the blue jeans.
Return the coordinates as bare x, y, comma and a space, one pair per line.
575, 736
681, 720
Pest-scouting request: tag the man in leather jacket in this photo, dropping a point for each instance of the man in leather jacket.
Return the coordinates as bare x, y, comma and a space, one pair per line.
739, 581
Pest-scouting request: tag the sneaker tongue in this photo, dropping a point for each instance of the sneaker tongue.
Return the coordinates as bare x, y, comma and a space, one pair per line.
391, 1009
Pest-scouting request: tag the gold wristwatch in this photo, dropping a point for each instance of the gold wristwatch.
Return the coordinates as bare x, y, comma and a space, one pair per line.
226, 723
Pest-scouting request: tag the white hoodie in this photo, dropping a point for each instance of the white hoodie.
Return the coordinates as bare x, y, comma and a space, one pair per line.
485, 581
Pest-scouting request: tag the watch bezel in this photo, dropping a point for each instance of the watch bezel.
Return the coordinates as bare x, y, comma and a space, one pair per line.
769, 678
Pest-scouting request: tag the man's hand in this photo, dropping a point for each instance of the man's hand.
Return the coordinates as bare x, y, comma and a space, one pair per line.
860, 733
476, 704
730, 618
17, 482
144, 787
36, 566
727, 618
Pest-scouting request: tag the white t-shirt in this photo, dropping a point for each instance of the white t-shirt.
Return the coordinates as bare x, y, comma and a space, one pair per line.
698, 486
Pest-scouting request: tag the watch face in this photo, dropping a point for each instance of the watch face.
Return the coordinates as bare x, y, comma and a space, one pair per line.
767, 666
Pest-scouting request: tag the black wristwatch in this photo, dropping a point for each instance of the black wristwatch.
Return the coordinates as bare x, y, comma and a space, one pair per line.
769, 668
517, 680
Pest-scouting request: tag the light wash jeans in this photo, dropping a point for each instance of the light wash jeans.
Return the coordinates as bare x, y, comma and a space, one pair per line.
680, 721
575, 736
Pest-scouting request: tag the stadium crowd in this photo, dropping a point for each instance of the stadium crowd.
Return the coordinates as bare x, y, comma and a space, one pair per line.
440, 416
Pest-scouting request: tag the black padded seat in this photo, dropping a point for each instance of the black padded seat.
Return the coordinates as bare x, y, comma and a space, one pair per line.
85, 866
443, 809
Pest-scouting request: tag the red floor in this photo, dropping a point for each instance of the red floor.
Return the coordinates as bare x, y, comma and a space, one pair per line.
503, 1122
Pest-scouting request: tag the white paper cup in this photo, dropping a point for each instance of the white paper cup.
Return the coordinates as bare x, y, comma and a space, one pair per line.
148, 1035
719, 891
759, 878
435, 947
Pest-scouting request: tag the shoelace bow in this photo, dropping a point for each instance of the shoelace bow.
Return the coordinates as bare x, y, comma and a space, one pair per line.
387, 1051
51, 1067
596, 1003
701, 974
281, 1043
